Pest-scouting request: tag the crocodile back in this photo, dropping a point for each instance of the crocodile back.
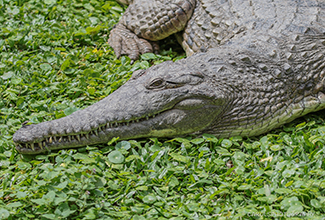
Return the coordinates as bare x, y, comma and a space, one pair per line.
216, 22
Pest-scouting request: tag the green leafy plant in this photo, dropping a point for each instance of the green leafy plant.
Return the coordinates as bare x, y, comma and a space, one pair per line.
54, 60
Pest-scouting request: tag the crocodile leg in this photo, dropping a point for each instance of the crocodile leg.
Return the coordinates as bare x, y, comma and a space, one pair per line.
145, 22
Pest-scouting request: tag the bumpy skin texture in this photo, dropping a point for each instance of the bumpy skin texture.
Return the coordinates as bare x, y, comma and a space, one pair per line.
264, 67
147, 21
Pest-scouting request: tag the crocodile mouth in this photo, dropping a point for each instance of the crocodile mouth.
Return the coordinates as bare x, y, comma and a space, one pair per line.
186, 116
81, 139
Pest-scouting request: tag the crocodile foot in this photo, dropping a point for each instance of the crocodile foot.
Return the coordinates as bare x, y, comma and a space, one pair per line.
124, 42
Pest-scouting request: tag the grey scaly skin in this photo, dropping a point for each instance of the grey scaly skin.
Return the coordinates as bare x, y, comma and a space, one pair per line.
264, 67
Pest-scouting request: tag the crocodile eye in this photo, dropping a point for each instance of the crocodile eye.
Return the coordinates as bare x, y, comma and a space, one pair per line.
156, 84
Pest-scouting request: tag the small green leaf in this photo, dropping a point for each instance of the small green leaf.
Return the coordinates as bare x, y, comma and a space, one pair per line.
115, 157
91, 90
239, 156
21, 194
138, 217
179, 157
315, 203
70, 110
46, 67
49, 197
63, 210
149, 199
14, 205
289, 201
49, 2
65, 64
93, 30
23, 166
142, 188
245, 187
7, 75
276, 147
45, 48
39, 201
123, 145
226, 143
148, 56
144, 64
198, 141
294, 210
283, 190
288, 172
112, 140
49, 216
62, 185
173, 181
4, 213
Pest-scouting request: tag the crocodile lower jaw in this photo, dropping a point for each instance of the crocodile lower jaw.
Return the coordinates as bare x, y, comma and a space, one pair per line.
94, 136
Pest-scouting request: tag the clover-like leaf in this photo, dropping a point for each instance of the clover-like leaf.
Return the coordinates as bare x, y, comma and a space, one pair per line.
115, 157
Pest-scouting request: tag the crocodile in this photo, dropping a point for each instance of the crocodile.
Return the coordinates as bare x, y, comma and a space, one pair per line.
251, 66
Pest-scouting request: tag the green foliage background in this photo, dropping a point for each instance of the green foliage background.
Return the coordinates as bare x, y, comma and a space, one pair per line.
54, 60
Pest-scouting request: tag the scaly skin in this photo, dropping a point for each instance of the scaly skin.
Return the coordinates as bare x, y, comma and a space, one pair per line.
264, 68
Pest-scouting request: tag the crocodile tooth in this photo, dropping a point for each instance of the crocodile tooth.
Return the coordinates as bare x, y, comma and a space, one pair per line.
95, 132
99, 129
107, 126
116, 124
54, 138
40, 145
78, 137
32, 146
137, 120
69, 137
87, 136
50, 140
60, 139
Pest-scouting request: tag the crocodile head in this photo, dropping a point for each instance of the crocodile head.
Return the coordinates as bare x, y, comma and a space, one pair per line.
166, 100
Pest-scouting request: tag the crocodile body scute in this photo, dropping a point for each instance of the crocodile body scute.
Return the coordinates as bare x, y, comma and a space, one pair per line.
216, 22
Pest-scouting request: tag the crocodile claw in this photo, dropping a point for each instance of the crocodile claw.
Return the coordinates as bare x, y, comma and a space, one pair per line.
125, 42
